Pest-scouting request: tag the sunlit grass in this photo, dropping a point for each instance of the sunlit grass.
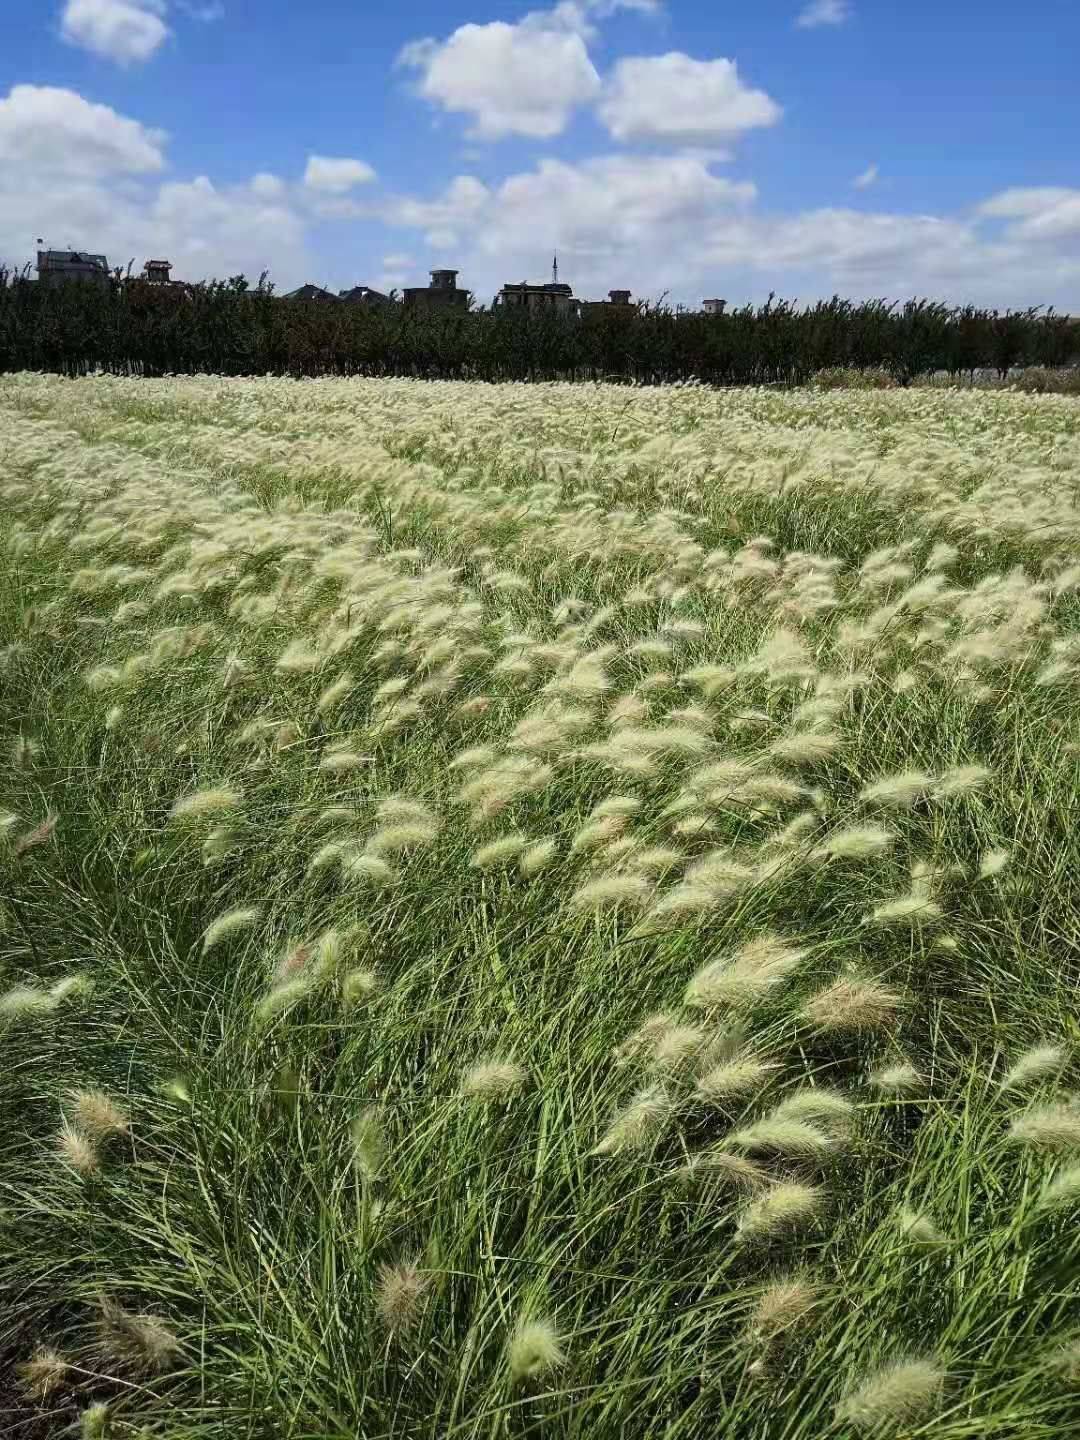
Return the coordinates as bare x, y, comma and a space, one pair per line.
538, 911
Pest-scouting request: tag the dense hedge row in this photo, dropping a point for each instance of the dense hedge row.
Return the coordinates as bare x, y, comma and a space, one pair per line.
228, 328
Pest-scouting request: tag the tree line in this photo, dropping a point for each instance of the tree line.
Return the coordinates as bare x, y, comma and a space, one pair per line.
231, 328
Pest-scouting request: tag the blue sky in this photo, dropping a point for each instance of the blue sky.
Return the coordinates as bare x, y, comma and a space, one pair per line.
670, 146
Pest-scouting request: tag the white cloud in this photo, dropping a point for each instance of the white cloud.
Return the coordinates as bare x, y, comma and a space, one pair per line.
1046, 214
866, 178
1023, 202
666, 223
47, 129
85, 175
210, 230
824, 12
267, 186
126, 31
336, 176
462, 206
849, 244
81, 174
675, 99
522, 79
205, 230
614, 219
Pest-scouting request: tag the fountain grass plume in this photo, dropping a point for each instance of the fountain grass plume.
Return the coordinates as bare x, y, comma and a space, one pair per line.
894, 1398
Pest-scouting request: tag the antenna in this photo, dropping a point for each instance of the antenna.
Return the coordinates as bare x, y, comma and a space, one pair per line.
554, 269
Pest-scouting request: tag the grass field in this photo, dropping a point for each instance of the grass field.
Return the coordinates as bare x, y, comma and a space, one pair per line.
538, 911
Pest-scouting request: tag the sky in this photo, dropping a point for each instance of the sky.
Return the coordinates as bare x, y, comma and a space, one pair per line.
676, 148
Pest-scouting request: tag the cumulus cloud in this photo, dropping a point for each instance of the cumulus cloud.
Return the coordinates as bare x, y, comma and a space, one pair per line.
1046, 213
462, 205
866, 178
81, 174
336, 176
824, 12
521, 79
676, 99
127, 31
615, 219
51, 130
666, 223
656, 221
267, 186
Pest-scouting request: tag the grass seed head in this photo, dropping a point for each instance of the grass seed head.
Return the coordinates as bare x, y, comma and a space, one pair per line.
333, 695
368, 1145
783, 1305
23, 1000
805, 747
1063, 1191
77, 1151
852, 1006
203, 803
368, 869
857, 842
44, 1372
894, 1398
94, 1421
493, 1081
735, 1172
612, 892
41, 834
97, 1115
776, 1135
961, 780
750, 972
537, 857
535, 1348
400, 1291
341, 762
1048, 1127
677, 1047
231, 923
23, 752
819, 1104
402, 837
499, 852
785, 1206
918, 1229
734, 1080
899, 1079
143, 1344
1039, 1063
914, 908
220, 843
640, 1124
993, 863
283, 996
358, 986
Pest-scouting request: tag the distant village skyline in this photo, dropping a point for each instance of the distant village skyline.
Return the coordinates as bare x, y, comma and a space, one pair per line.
442, 290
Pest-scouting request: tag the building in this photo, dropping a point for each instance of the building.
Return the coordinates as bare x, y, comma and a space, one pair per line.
310, 292
440, 293
551, 297
617, 299
56, 266
713, 307
363, 295
157, 272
